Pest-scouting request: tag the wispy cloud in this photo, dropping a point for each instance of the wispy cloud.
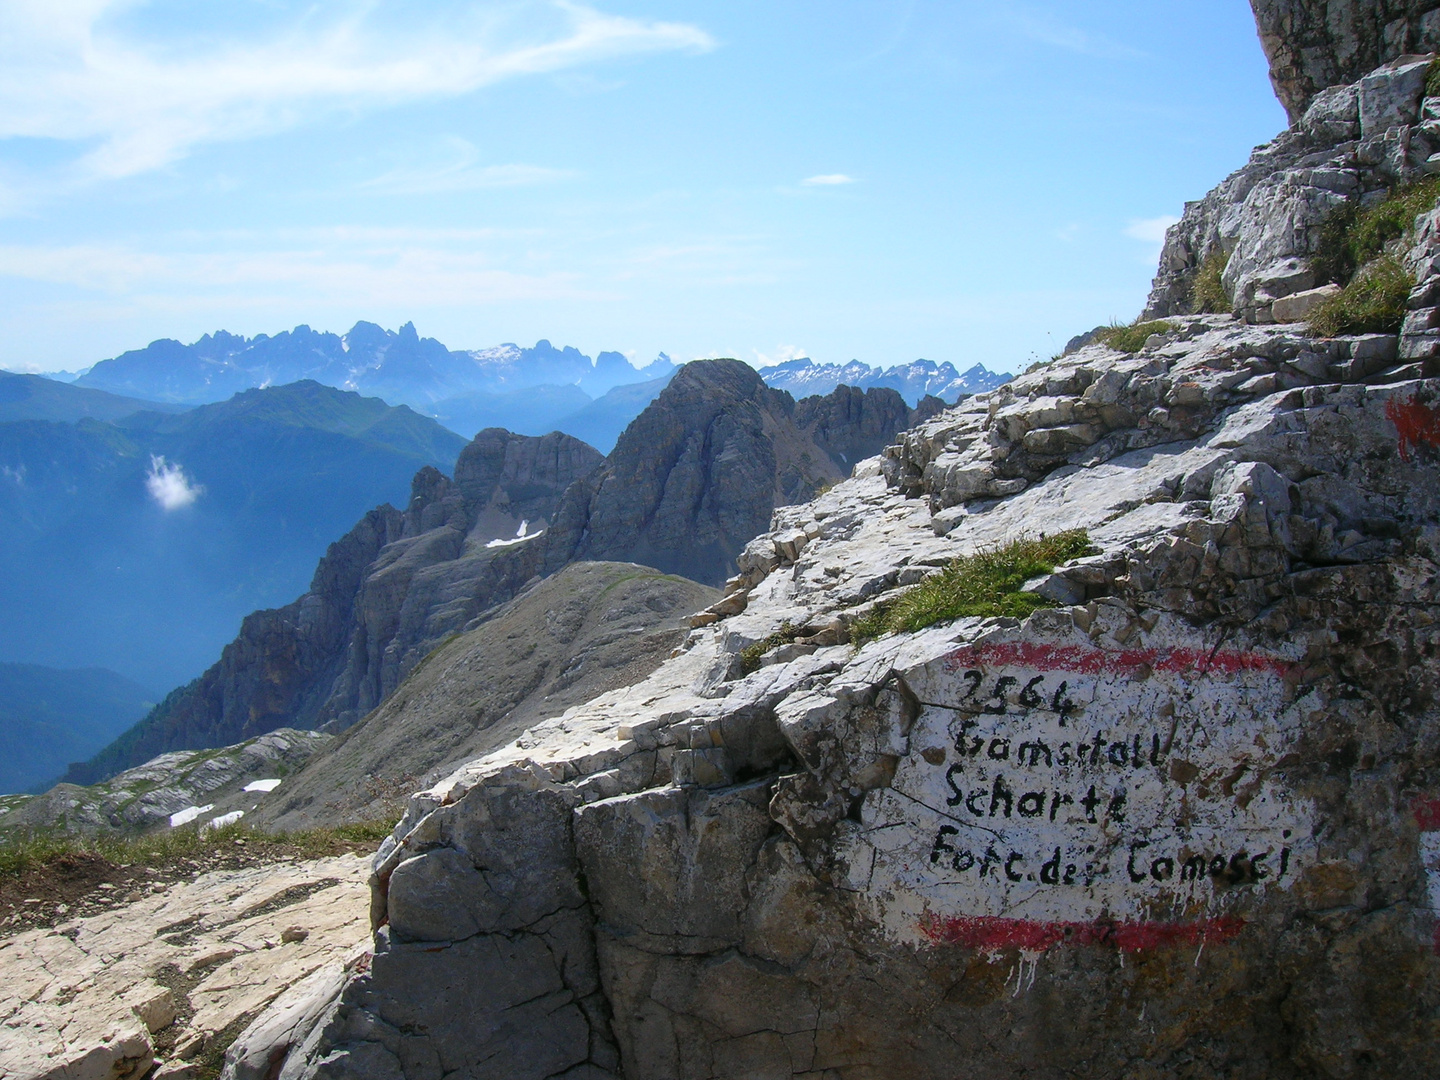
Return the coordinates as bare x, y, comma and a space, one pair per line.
1048, 29
462, 172
827, 180
376, 272
169, 486
72, 73
1150, 230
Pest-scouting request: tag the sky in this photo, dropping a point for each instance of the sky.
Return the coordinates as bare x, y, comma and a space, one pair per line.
972, 181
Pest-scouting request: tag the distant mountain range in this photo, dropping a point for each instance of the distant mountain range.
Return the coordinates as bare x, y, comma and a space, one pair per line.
137, 542
530, 391
804, 377
398, 366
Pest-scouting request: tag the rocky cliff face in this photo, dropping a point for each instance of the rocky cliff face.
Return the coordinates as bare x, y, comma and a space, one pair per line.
1314, 44
396, 580
1351, 145
692, 480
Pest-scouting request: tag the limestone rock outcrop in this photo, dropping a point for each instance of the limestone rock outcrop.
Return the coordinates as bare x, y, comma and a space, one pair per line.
1191, 809
171, 975
1352, 144
1316, 44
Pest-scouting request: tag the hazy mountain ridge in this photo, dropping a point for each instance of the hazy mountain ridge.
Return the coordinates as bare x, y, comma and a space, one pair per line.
913, 381
38, 397
399, 366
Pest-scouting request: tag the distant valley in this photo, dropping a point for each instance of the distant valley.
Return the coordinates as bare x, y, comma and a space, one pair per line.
168, 493
137, 542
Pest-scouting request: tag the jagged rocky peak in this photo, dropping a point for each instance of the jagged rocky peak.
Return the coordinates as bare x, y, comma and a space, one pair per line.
1315, 44
524, 475
699, 472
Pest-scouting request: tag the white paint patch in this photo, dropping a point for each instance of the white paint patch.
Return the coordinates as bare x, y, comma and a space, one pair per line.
261, 785
189, 814
1053, 785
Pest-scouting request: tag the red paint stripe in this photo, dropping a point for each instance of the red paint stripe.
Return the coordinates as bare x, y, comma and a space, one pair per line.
1417, 425
1088, 660
986, 932
1427, 814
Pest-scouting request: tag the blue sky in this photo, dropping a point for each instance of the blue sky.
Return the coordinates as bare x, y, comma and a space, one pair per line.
956, 180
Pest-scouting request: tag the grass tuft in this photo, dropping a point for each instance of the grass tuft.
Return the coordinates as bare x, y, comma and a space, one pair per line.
1132, 338
1372, 303
1432, 79
1350, 237
984, 585
1207, 296
24, 853
751, 654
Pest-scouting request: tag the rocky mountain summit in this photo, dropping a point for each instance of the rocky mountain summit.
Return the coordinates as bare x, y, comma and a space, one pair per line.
688, 484
1174, 811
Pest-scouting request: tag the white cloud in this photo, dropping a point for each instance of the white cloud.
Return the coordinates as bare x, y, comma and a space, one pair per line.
72, 72
463, 172
169, 486
780, 355
372, 268
827, 180
1150, 230
1044, 27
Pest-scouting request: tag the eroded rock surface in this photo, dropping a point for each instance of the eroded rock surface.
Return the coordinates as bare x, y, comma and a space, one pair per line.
1188, 809
588, 629
177, 973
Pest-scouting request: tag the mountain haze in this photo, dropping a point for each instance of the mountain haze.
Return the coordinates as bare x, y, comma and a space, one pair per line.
253, 490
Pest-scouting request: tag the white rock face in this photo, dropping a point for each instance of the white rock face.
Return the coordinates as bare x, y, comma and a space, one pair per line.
1054, 783
1353, 144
